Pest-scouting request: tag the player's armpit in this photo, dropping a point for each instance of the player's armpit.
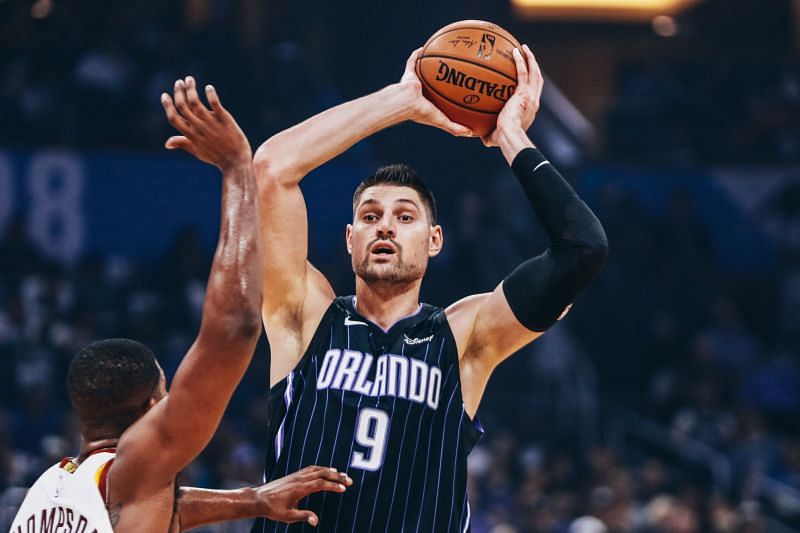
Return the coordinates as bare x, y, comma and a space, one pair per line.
114, 513
132, 510
290, 329
486, 332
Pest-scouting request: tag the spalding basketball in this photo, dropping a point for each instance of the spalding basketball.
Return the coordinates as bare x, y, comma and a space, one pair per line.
467, 70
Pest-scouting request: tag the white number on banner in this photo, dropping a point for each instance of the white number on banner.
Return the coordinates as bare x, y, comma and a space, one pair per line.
56, 220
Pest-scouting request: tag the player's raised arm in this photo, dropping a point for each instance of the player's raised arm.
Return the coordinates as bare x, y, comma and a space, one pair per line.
295, 294
174, 431
490, 327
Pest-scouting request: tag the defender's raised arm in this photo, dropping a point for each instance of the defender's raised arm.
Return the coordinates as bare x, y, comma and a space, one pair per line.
175, 430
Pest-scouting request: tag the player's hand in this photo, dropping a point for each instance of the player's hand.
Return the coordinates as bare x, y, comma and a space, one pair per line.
521, 108
209, 134
278, 499
421, 109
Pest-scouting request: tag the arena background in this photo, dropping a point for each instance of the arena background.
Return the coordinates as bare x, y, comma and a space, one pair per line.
668, 400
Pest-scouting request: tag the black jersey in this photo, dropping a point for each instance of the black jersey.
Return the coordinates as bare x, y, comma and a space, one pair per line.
386, 407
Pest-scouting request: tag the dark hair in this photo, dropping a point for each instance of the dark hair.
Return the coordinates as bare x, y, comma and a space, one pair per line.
402, 176
111, 382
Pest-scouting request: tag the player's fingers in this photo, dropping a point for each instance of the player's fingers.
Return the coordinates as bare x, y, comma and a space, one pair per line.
296, 515
459, 130
311, 472
534, 71
213, 99
178, 142
193, 99
174, 118
440, 120
331, 474
522, 69
530, 61
180, 101
412, 59
319, 485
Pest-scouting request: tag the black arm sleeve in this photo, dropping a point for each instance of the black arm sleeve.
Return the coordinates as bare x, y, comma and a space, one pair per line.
541, 288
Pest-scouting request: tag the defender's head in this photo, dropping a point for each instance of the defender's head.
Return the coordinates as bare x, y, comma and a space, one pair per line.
394, 230
112, 383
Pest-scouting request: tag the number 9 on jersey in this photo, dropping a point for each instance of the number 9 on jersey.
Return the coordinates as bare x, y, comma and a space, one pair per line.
372, 429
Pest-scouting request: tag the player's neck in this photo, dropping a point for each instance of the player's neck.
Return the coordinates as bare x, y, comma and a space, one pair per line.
385, 306
90, 445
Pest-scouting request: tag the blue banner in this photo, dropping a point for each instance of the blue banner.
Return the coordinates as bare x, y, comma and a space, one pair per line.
134, 204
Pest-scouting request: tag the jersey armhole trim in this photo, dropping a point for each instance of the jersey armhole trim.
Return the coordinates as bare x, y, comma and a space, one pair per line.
441, 315
101, 478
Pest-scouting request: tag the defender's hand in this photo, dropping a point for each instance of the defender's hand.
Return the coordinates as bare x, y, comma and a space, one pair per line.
278, 499
520, 110
211, 135
421, 109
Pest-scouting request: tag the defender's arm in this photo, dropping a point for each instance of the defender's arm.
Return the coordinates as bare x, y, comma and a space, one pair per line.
276, 500
152, 451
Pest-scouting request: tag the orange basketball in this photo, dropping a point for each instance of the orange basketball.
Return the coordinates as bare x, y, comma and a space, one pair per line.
467, 70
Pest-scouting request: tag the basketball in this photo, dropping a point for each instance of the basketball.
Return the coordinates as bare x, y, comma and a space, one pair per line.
467, 70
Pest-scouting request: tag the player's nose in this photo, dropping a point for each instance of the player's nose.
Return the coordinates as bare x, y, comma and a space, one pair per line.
386, 227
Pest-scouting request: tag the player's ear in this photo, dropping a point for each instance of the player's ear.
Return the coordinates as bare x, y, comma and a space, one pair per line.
436, 241
348, 233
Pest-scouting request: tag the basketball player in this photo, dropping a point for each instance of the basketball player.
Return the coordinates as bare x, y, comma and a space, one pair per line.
135, 438
377, 384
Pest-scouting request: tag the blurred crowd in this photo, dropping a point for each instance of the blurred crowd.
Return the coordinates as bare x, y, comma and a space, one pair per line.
698, 372
741, 110
90, 77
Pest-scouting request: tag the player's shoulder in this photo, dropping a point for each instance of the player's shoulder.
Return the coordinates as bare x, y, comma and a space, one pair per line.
51, 473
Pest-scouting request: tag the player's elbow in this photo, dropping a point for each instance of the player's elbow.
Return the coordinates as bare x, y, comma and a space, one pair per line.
266, 166
232, 316
594, 252
247, 326
234, 326
272, 165
586, 250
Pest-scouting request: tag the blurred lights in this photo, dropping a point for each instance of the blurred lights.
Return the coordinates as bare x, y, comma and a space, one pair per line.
41, 8
611, 10
665, 26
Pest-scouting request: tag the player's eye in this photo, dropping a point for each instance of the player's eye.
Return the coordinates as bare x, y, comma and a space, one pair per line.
369, 217
406, 218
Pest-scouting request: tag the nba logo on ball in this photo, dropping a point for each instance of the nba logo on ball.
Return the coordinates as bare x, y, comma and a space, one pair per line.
487, 47
469, 84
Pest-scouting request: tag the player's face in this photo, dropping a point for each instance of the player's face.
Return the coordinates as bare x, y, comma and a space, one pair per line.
391, 237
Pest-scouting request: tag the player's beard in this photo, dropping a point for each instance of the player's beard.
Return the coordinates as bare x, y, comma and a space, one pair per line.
396, 272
